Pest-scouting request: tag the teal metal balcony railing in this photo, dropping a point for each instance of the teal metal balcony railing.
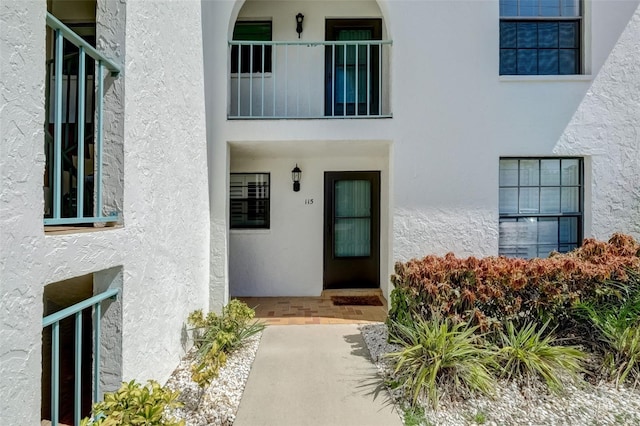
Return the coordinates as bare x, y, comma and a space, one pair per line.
73, 195
53, 321
323, 79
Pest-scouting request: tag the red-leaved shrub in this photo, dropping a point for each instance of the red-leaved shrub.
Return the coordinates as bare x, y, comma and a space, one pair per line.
492, 290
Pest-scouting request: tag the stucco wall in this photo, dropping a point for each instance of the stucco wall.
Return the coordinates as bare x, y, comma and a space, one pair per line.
22, 43
606, 127
166, 203
454, 116
160, 257
287, 259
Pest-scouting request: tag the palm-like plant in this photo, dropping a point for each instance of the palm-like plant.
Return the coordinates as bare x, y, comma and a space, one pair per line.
624, 360
617, 323
217, 336
437, 356
529, 352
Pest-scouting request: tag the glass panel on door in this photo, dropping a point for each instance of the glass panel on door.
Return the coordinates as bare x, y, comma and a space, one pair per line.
352, 222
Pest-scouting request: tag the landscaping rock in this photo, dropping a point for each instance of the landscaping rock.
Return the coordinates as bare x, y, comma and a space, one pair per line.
579, 404
217, 404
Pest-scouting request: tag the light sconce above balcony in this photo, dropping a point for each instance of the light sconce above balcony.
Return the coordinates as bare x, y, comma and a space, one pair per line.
296, 174
299, 19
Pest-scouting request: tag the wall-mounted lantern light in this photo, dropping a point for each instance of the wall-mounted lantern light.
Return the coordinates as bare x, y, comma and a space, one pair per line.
299, 19
296, 173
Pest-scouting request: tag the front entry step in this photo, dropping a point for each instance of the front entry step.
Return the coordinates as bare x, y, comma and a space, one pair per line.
352, 292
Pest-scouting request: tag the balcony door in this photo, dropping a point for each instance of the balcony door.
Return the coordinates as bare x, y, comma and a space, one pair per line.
352, 69
352, 230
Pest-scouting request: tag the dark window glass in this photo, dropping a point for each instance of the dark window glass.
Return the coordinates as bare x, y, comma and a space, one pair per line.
249, 195
544, 48
540, 36
548, 35
251, 56
540, 206
548, 61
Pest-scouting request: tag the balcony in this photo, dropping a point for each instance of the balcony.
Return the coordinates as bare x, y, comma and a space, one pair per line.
309, 80
74, 128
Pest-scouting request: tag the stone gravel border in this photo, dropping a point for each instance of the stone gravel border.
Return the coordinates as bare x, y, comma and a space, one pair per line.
514, 405
218, 403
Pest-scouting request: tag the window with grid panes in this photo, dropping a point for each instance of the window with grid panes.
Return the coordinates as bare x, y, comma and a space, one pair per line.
540, 37
249, 200
540, 206
255, 58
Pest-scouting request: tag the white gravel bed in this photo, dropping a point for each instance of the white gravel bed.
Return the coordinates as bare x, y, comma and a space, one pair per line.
218, 403
514, 405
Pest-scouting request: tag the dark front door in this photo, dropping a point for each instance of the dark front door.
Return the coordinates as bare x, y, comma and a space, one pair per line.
351, 230
352, 69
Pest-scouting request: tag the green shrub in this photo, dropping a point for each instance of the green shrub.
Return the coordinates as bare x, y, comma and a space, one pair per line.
438, 356
616, 320
403, 308
134, 404
489, 292
527, 352
414, 416
217, 336
623, 361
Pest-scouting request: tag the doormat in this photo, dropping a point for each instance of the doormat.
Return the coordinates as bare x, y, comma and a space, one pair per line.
356, 300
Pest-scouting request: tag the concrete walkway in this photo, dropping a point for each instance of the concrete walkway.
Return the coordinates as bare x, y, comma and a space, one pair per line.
314, 375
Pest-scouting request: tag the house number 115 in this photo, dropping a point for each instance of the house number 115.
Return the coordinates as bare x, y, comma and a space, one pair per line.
308, 201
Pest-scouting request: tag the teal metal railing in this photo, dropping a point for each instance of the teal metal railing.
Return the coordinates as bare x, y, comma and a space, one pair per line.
56, 153
53, 321
309, 79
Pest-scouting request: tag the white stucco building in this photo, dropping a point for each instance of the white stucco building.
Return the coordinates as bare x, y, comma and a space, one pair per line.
480, 127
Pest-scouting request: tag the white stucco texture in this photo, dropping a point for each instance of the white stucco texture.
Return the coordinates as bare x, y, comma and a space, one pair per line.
170, 147
606, 127
454, 117
160, 256
166, 203
22, 43
287, 258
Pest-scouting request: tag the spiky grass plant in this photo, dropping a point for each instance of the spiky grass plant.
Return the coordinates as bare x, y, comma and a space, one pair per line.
216, 336
438, 356
616, 320
528, 352
624, 360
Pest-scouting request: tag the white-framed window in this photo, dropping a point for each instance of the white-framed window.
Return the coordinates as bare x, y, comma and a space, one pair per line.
541, 37
249, 196
541, 206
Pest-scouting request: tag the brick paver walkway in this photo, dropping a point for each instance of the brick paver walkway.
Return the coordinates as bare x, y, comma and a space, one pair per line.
312, 310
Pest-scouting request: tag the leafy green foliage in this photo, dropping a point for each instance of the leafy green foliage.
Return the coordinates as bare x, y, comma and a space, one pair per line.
217, 336
489, 292
403, 306
134, 404
616, 320
437, 356
624, 360
480, 418
527, 353
414, 416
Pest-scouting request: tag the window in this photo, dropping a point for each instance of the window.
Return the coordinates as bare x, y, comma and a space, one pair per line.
249, 194
254, 58
540, 206
540, 37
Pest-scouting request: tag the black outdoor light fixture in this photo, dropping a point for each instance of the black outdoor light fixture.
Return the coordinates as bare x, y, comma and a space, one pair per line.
296, 173
299, 19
